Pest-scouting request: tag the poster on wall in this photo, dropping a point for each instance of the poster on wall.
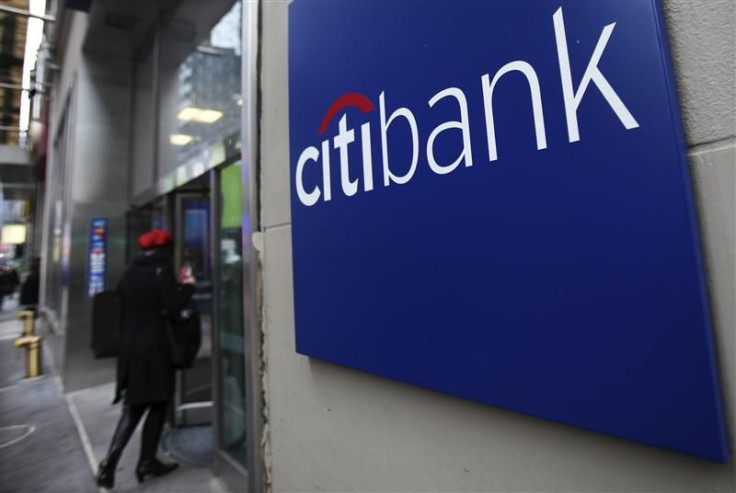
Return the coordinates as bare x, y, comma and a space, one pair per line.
493, 200
97, 257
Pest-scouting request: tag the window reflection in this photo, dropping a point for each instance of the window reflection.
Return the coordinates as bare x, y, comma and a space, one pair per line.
231, 316
201, 97
199, 82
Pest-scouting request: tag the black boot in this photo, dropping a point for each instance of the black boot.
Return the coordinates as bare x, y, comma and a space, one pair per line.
106, 474
153, 468
126, 426
148, 465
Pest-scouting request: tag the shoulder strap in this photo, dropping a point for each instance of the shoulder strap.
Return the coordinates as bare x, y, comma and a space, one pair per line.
159, 270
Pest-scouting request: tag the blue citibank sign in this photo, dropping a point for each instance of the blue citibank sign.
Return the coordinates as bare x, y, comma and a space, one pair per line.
493, 200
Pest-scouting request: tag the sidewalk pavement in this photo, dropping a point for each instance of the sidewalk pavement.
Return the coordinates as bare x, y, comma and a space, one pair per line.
40, 450
52, 442
99, 417
10, 308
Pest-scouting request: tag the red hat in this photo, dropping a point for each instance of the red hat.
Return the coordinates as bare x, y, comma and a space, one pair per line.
155, 239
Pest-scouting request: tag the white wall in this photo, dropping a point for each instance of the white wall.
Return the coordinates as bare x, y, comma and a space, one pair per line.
334, 429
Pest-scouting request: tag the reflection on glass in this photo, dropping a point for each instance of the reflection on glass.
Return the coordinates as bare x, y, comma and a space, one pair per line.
200, 91
157, 217
57, 195
193, 254
196, 237
232, 369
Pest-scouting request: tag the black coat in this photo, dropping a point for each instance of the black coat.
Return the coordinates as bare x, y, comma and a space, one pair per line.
29, 290
149, 287
9, 281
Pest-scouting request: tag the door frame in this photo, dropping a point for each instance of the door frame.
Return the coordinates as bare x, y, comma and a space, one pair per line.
177, 198
227, 469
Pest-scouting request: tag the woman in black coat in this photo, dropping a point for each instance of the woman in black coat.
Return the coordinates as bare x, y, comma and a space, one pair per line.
146, 375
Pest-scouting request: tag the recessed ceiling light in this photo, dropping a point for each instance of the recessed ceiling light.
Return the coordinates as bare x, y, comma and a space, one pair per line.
191, 114
180, 139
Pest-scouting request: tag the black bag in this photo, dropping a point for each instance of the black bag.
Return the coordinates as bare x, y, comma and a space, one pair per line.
184, 332
106, 323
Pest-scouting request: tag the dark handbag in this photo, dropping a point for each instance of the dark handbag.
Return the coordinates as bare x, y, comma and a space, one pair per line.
184, 333
106, 323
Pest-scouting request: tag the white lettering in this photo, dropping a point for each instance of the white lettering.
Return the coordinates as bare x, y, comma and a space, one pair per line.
326, 180
307, 198
531, 77
573, 98
388, 176
342, 140
365, 138
463, 125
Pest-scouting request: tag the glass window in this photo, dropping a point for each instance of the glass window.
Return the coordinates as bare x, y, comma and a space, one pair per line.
197, 237
57, 193
231, 316
192, 254
200, 95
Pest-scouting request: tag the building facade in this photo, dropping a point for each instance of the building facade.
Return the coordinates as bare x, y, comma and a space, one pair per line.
176, 114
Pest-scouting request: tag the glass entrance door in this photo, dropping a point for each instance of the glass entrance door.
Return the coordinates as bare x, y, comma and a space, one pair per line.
193, 398
230, 317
